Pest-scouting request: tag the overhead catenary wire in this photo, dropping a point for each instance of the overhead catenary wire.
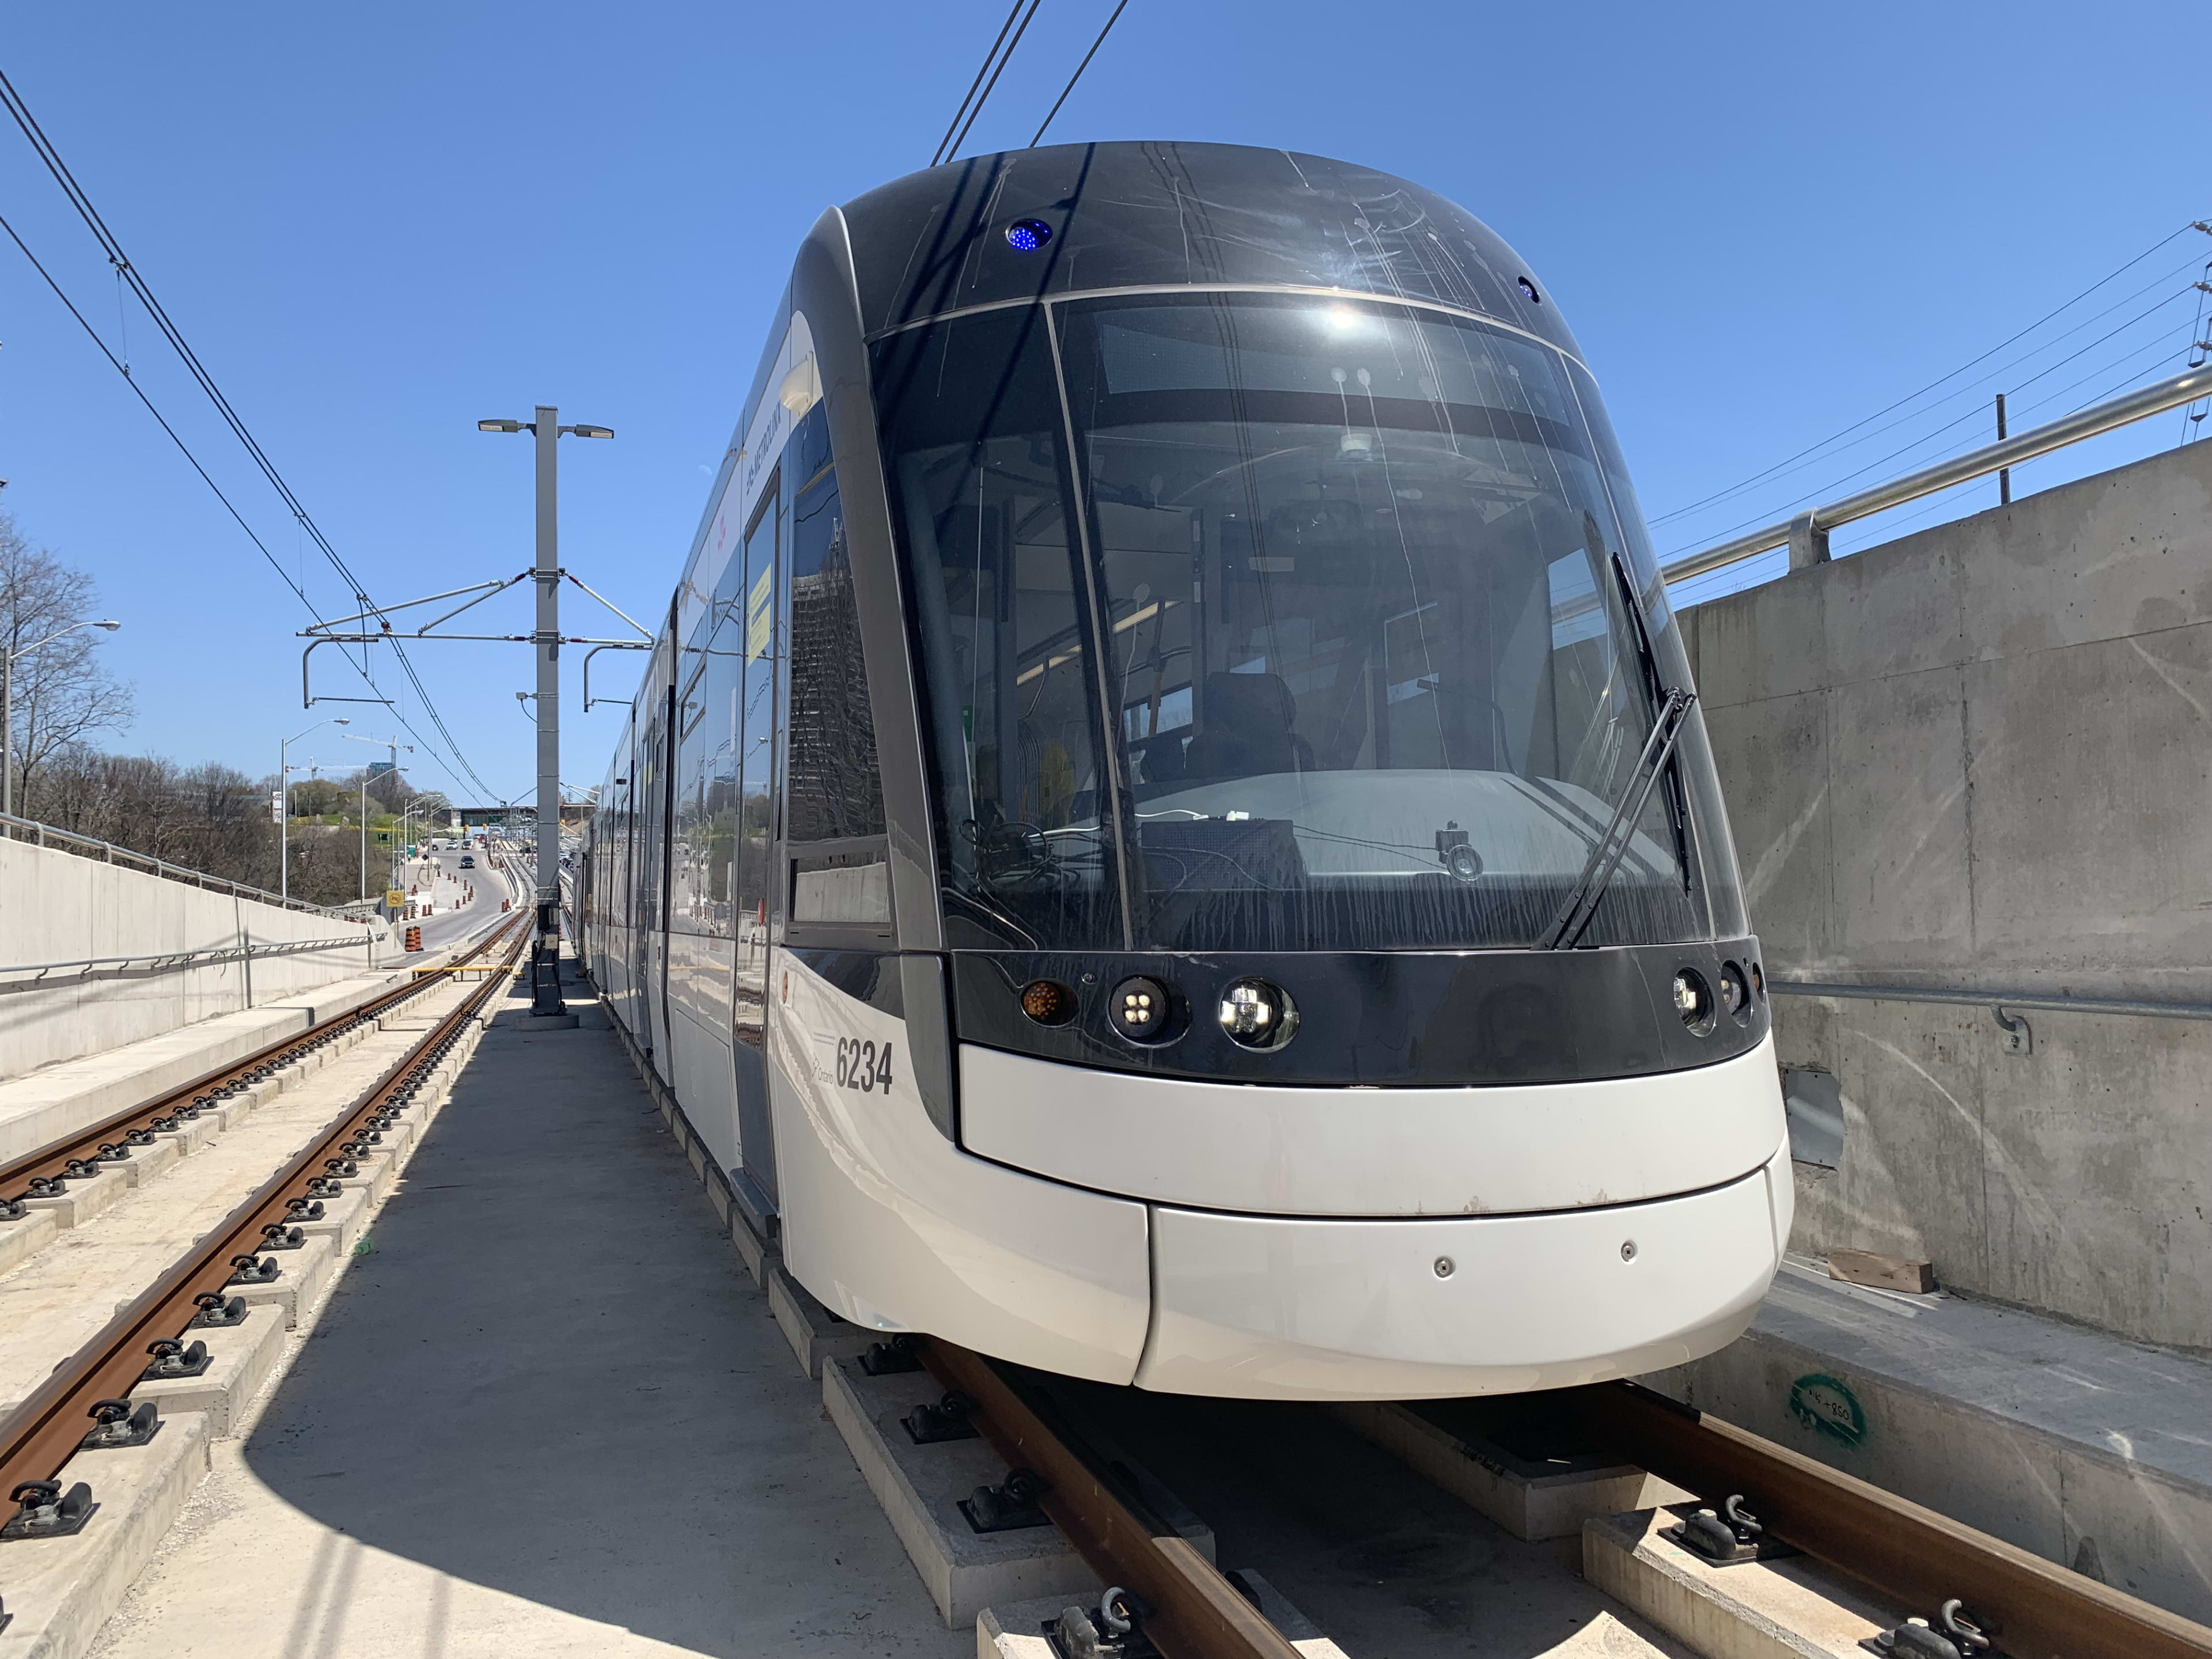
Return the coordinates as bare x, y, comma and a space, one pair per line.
52, 158
1004, 59
1973, 362
1972, 413
185, 449
981, 70
1078, 76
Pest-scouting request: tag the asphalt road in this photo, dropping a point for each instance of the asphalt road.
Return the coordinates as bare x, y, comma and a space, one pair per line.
441, 880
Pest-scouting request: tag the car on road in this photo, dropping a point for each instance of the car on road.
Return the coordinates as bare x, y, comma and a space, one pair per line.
467, 862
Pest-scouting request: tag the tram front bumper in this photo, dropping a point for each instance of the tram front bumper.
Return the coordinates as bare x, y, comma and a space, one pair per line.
1254, 1307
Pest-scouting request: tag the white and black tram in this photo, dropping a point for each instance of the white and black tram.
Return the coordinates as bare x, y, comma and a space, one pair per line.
1167, 835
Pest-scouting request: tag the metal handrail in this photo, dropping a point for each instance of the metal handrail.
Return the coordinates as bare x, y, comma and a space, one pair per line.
169, 871
1806, 535
2139, 1007
172, 961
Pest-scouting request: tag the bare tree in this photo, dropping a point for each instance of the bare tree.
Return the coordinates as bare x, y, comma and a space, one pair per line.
63, 693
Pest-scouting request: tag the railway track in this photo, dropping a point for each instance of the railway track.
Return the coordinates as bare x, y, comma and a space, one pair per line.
87, 1154
2006, 1600
85, 1404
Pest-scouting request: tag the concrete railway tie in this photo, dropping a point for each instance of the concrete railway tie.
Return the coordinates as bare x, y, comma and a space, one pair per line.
99, 1458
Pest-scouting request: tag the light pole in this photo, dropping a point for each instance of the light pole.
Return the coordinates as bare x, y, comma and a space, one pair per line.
8, 707
284, 805
395, 746
545, 961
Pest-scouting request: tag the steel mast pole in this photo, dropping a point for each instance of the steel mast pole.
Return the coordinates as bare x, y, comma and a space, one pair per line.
546, 989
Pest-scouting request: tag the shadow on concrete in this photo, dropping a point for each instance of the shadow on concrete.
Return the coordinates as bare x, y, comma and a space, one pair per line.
550, 1376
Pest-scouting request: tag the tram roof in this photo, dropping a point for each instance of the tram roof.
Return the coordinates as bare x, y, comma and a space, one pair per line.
1140, 214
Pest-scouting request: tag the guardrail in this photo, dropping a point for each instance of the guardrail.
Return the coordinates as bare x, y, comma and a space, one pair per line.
1806, 535
167, 962
46, 835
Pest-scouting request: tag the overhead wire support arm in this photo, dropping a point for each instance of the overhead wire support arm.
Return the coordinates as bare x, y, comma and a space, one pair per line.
605, 601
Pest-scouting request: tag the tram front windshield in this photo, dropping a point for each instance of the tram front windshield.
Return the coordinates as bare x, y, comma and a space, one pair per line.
1324, 641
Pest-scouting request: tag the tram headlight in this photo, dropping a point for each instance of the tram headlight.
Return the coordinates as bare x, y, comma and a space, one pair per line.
1735, 994
1256, 1014
1028, 235
1693, 1001
1142, 1009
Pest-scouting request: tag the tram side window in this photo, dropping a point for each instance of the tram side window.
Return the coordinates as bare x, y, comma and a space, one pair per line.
834, 791
971, 419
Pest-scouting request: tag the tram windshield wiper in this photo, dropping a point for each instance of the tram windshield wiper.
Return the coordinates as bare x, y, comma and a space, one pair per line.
1606, 852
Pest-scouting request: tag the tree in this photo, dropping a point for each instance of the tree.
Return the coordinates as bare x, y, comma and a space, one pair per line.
390, 787
63, 692
318, 796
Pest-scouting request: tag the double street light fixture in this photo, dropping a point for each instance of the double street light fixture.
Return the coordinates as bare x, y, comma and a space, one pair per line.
8, 705
283, 805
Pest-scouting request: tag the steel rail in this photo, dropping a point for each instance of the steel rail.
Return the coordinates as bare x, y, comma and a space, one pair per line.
1193, 1613
47, 1430
81, 1154
2032, 1607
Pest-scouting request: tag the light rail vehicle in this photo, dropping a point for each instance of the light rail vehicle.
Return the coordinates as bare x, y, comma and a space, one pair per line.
1168, 836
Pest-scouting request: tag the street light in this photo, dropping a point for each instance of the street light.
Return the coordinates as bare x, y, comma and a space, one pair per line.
545, 956
284, 805
395, 746
8, 707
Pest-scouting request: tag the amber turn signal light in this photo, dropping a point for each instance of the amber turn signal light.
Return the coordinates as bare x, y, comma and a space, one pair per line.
1047, 1002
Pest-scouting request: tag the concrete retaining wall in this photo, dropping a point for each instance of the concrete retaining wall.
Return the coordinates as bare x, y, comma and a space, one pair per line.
57, 907
1981, 757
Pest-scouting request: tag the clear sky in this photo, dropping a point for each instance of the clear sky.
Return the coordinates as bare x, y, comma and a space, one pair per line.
1763, 223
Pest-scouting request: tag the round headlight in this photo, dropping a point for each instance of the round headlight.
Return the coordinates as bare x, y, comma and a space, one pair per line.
1140, 1009
1257, 1014
1735, 994
1693, 1001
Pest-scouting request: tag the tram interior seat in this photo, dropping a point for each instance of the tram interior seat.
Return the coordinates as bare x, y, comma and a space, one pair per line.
1248, 730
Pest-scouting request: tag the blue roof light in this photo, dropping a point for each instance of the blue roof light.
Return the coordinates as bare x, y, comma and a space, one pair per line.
1028, 235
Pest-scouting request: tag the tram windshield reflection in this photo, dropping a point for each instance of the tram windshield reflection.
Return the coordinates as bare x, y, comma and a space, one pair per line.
1373, 675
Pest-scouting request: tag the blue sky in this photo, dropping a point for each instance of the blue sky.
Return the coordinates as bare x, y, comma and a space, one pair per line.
1763, 223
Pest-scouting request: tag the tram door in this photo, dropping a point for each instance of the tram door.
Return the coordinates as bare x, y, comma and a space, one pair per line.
751, 901
651, 780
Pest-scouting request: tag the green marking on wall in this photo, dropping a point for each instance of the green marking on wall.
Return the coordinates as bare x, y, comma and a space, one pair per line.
1826, 1406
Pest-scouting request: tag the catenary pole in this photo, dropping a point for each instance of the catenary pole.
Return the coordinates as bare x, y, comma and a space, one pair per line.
545, 998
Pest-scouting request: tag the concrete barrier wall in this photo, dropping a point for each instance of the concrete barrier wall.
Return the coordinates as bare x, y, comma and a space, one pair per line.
59, 907
1981, 757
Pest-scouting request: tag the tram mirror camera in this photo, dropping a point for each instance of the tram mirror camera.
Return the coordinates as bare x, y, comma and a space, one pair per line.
1452, 852
1256, 1014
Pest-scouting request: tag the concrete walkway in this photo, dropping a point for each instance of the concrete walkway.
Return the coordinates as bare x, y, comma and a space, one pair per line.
547, 1413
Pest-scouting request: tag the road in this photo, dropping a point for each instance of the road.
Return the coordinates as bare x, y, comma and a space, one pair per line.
441, 882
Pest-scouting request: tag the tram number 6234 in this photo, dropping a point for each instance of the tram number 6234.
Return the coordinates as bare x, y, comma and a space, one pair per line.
862, 1066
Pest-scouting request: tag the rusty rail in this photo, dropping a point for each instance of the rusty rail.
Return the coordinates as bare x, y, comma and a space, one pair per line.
85, 1154
2033, 1607
1195, 1612
47, 1430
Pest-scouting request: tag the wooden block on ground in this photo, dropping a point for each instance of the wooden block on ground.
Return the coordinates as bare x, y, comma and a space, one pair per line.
1884, 1273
